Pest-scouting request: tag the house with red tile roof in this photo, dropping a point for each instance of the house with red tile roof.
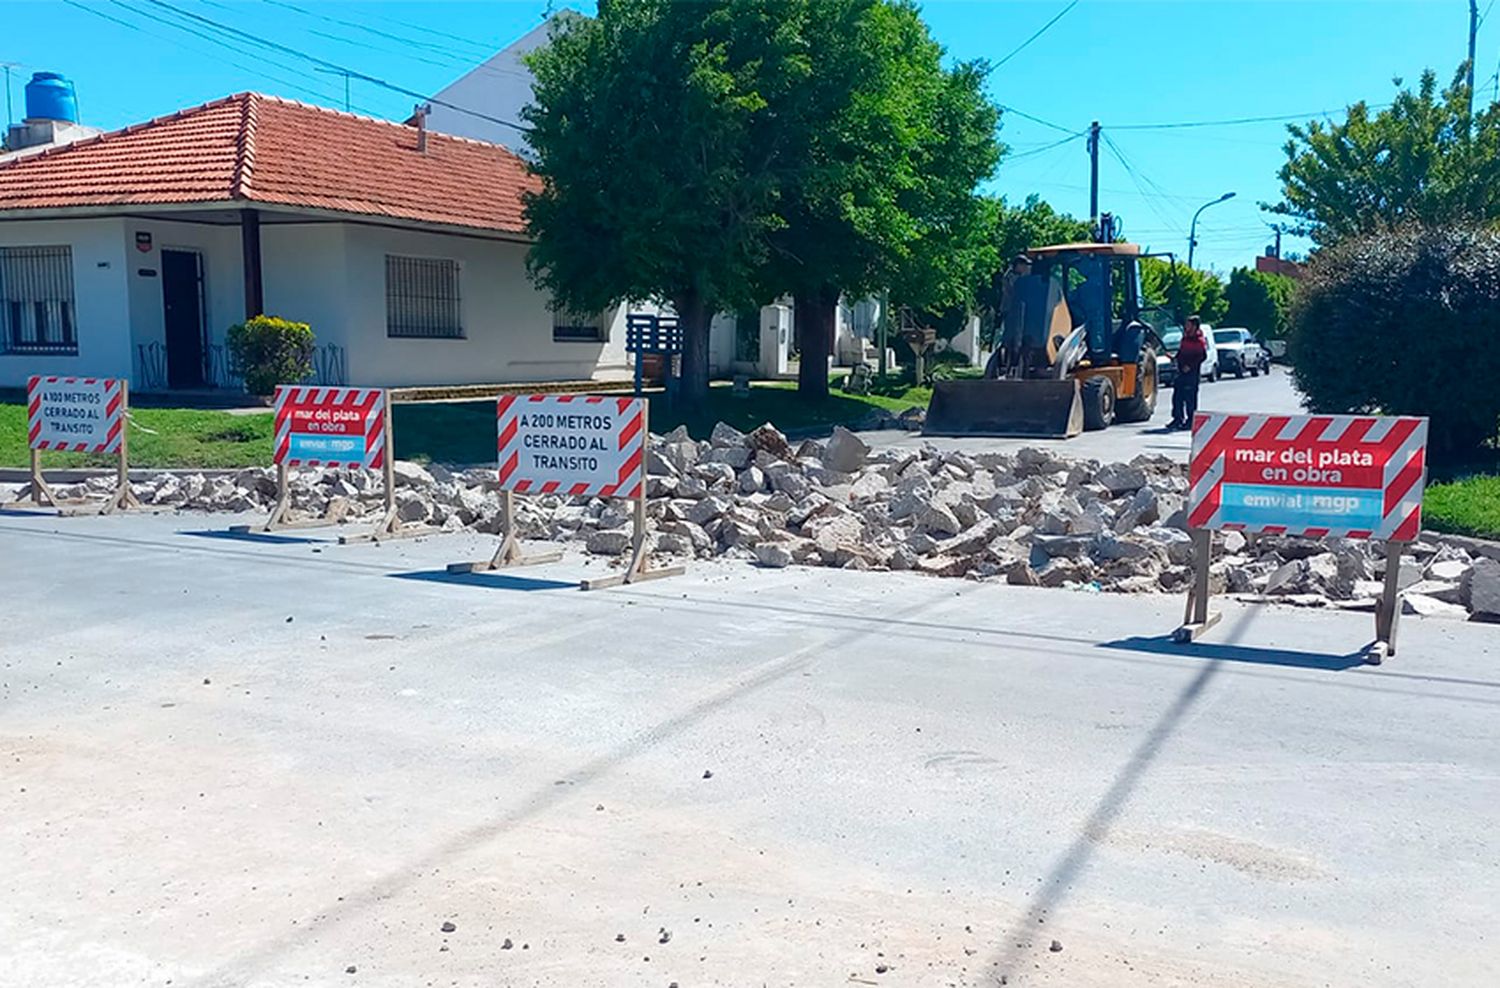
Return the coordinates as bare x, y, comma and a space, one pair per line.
131, 253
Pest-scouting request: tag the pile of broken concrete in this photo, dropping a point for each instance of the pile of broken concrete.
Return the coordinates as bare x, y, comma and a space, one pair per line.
1033, 517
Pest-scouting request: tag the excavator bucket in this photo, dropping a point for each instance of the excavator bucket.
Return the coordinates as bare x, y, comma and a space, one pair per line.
1022, 409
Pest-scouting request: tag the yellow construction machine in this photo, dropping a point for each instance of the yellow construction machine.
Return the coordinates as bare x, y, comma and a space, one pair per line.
1073, 351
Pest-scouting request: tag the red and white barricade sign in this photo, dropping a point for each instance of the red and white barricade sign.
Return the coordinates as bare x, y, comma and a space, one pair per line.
574, 445
75, 414
579, 445
1353, 476
340, 428
330, 427
1348, 476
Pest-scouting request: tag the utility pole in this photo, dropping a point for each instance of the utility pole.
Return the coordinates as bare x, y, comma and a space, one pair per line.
1473, 33
10, 118
1094, 178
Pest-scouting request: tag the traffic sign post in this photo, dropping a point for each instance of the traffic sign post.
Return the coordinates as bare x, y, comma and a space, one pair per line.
578, 446
78, 415
334, 427
1315, 476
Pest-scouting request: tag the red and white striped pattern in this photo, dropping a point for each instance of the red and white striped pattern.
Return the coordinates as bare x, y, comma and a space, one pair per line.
105, 438
370, 402
1398, 446
620, 469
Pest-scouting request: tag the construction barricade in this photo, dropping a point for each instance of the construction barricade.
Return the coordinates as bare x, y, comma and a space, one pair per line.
1315, 476
78, 415
334, 428
577, 446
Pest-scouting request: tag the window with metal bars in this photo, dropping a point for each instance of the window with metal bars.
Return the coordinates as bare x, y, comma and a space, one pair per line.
36, 301
578, 327
421, 298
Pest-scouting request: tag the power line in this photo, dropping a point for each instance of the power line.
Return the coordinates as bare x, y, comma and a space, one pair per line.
1046, 147
257, 71
287, 49
1233, 122
1026, 116
1039, 32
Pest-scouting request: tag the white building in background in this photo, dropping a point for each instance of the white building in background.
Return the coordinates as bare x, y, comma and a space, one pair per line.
130, 254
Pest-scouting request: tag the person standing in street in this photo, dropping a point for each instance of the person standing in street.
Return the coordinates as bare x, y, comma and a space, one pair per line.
1191, 353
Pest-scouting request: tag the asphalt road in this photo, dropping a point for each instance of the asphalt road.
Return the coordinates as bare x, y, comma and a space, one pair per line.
1122, 441
266, 763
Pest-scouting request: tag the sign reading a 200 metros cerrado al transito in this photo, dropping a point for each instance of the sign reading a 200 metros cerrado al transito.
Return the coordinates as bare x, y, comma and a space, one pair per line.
580, 445
1356, 476
75, 414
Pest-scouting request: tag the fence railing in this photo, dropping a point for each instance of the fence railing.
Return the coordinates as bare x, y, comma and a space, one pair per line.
330, 367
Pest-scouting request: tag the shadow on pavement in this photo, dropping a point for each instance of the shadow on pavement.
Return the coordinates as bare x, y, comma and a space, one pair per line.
489, 581
263, 538
1163, 645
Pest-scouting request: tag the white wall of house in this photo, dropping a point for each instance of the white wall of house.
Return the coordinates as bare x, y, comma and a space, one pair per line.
506, 320
101, 307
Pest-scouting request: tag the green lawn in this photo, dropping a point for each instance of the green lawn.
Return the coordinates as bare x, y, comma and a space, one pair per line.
159, 437
1470, 506
443, 432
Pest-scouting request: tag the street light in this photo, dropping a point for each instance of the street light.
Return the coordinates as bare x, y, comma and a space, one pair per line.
1193, 233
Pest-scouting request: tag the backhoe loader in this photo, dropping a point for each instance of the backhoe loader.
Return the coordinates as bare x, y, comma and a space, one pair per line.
1072, 351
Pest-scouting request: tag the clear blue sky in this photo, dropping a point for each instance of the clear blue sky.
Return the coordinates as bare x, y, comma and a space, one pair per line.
1122, 62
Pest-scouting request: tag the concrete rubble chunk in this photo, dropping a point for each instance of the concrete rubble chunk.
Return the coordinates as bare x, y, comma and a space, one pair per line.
1121, 478
410, 474
1481, 589
725, 435
845, 452
937, 520
773, 555
1421, 604
608, 542
769, 439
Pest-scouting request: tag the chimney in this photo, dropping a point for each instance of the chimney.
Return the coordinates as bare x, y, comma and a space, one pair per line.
419, 113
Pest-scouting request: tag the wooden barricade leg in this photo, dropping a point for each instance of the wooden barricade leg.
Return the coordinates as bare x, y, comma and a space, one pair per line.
390, 526
509, 553
1198, 618
638, 569
1388, 609
124, 497
40, 494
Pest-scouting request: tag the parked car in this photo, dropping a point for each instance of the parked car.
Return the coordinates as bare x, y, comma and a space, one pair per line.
1166, 361
1241, 353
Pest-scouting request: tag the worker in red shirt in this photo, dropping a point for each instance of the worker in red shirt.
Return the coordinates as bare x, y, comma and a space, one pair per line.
1191, 353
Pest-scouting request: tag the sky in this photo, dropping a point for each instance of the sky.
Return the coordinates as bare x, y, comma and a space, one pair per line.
1133, 65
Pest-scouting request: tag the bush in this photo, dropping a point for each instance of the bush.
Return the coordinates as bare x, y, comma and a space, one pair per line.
269, 351
1405, 323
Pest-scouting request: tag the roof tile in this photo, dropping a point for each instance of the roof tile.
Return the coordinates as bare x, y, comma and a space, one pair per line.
262, 149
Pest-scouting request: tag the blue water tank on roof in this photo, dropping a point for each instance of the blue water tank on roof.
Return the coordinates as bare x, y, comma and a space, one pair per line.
49, 96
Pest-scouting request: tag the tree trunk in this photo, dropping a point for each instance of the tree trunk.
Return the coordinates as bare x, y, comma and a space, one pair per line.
815, 329
693, 316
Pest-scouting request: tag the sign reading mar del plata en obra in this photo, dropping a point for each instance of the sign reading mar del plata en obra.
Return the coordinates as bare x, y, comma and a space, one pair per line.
1317, 476
78, 415
576, 446
332, 428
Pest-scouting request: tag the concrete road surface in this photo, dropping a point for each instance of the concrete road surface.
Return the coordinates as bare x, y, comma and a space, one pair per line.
1273, 393
284, 762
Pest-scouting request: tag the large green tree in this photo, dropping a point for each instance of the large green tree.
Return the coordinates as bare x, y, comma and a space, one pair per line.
881, 150
653, 141
1260, 301
1183, 290
1422, 159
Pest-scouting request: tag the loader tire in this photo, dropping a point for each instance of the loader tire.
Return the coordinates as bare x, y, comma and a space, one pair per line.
1143, 405
1098, 403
